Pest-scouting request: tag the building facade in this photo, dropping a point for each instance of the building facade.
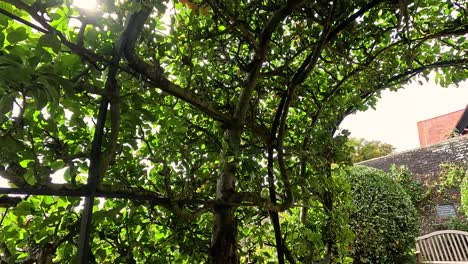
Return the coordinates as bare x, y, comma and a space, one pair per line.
438, 128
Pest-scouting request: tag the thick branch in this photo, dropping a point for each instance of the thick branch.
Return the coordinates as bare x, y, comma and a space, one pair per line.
257, 200
121, 192
25, 22
232, 22
308, 64
351, 18
7, 201
104, 191
187, 216
155, 73
283, 109
114, 192
259, 57
271, 182
98, 164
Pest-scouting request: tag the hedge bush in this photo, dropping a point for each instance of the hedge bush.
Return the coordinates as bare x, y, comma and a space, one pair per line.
384, 220
464, 193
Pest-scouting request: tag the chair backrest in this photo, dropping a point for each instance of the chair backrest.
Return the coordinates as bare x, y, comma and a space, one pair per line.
444, 246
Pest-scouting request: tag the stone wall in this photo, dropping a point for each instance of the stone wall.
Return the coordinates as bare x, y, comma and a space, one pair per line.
425, 160
424, 163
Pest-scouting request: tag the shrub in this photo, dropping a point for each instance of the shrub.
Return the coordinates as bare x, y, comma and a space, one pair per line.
384, 220
415, 190
458, 224
464, 193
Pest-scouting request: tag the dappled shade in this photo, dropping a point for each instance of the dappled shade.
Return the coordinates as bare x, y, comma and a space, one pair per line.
208, 129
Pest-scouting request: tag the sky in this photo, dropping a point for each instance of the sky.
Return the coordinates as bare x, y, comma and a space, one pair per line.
395, 119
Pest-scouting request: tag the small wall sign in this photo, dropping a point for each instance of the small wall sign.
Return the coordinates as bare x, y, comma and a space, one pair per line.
446, 210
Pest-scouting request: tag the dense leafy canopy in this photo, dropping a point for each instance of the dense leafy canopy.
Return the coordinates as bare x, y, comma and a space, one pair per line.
198, 120
365, 150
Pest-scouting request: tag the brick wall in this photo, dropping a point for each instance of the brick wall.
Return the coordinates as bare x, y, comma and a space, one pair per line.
437, 129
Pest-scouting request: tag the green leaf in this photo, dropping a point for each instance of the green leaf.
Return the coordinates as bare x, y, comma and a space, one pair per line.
40, 97
9, 146
4, 21
135, 7
2, 39
30, 178
48, 200
34, 61
45, 55
67, 176
56, 164
22, 209
26, 162
55, 16
51, 41
6, 103
17, 35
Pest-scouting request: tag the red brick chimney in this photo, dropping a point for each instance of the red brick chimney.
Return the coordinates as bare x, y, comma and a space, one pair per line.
439, 128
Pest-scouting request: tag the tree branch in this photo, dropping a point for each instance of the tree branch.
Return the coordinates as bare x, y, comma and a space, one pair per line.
259, 57
283, 109
155, 73
23, 21
98, 164
271, 181
140, 194
104, 191
308, 65
231, 21
405, 76
85, 54
288, 253
257, 200
412, 72
7, 201
351, 18
373, 57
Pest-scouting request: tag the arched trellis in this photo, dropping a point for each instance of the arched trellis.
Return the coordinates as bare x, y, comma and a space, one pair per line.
84, 192
233, 125
98, 160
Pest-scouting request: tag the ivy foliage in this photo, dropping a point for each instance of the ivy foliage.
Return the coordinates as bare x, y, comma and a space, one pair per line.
203, 126
444, 189
456, 177
384, 220
415, 189
452, 175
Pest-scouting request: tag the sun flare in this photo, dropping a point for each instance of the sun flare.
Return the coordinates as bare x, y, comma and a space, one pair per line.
85, 4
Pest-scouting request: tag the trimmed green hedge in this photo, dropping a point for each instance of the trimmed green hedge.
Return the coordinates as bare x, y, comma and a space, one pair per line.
384, 220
